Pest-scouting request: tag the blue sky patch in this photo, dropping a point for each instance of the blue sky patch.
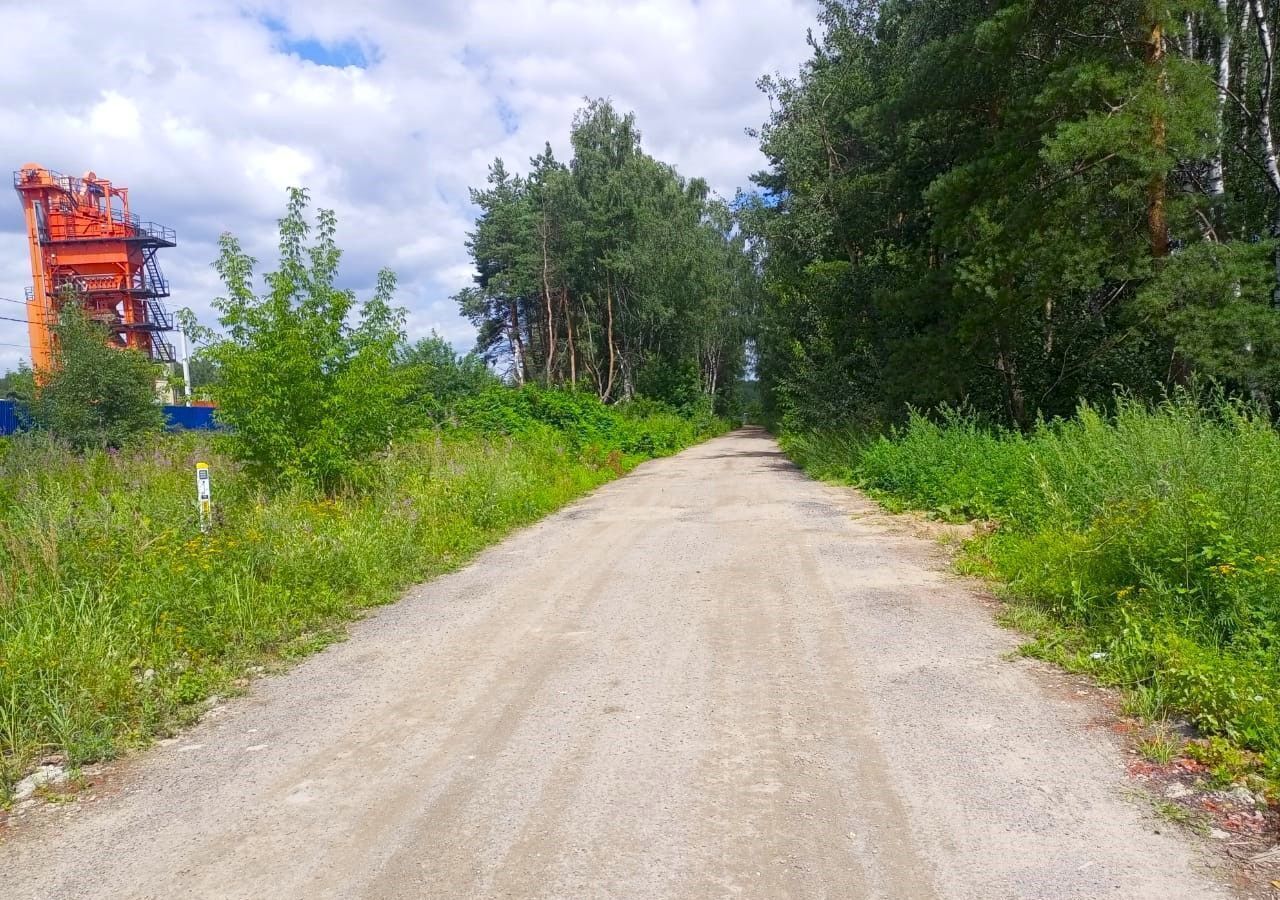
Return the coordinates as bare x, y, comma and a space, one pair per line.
336, 54
765, 197
510, 119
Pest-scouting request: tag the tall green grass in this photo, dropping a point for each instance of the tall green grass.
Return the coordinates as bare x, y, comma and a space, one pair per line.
117, 615
1147, 541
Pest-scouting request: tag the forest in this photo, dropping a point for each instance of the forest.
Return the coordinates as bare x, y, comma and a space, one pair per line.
1019, 205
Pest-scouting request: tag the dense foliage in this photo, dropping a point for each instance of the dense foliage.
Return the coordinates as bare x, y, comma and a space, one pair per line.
610, 273
97, 395
308, 395
1019, 204
20, 385
440, 378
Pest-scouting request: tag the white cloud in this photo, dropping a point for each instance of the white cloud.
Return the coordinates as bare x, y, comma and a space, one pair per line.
116, 117
387, 110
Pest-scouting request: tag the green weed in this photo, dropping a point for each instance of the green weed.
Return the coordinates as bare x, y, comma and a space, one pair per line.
1162, 746
118, 617
1142, 547
1180, 815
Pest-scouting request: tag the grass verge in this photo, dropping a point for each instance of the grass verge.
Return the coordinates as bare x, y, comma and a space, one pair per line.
1141, 547
118, 617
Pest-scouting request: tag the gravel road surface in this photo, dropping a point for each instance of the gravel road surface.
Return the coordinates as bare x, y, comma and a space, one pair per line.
712, 678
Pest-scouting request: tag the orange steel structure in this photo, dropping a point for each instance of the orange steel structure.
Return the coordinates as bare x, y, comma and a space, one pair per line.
86, 244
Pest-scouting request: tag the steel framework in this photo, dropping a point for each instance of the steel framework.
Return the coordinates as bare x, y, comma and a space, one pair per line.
86, 245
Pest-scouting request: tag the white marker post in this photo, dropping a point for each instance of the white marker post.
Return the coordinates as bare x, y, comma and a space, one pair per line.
186, 364
204, 496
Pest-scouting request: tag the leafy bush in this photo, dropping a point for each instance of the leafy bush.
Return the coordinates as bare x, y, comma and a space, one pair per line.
1150, 536
308, 397
20, 384
97, 395
441, 378
642, 428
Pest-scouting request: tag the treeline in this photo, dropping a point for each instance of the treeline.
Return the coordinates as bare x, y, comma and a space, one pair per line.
1020, 204
610, 273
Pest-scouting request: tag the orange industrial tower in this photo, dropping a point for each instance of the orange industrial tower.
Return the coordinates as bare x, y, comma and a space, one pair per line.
85, 243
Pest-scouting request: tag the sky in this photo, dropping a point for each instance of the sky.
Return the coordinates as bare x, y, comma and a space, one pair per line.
388, 111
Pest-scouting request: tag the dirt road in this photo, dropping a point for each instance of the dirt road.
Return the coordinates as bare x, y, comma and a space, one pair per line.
713, 678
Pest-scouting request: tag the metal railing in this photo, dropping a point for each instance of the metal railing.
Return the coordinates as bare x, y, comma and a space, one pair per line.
75, 188
162, 350
153, 231
158, 316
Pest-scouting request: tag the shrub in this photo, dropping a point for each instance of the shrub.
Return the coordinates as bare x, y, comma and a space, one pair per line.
441, 378
97, 395
308, 397
640, 428
20, 384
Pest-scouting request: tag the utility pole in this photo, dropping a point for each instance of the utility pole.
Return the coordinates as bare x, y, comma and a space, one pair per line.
186, 363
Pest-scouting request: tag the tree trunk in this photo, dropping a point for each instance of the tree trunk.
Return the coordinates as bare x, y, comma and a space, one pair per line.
1014, 396
1217, 171
568, 325
546, 291
1048, 327
1266, 96
589, 347
1157, 214
517, 344
608, 388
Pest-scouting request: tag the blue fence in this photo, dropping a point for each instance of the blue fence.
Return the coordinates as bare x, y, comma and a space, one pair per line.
176, 418
189, 418
8, 417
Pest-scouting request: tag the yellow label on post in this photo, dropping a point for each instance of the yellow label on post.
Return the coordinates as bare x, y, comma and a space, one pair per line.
204, 495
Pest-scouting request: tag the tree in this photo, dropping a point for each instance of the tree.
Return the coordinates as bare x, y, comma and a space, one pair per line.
440, 377
97, 395
20, 384
611, 272
308, 396
1008, 204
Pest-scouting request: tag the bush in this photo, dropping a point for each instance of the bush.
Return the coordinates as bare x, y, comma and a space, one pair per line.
641, 428
20, 385
97, 395
308, 397
441, 378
